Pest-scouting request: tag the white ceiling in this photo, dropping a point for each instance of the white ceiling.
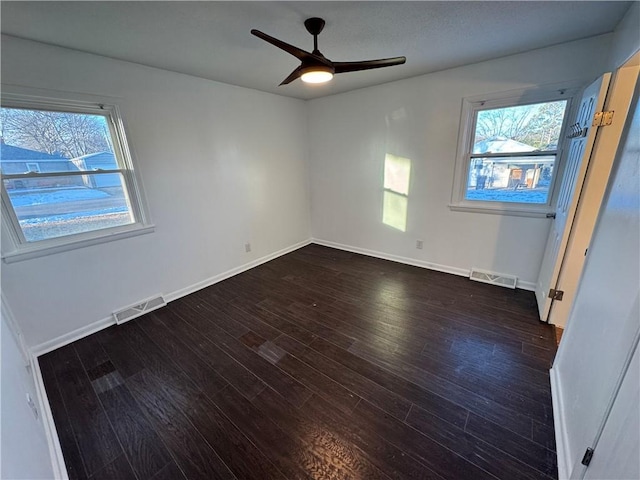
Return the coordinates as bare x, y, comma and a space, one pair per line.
212, 40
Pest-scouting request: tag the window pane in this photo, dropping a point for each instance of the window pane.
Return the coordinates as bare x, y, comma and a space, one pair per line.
510, 179
397, 171
46, 142
394, 210
523, 128
50, 207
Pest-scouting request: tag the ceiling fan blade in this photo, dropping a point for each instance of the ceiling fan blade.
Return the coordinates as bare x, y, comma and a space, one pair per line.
342, 67
295, 51
292, 76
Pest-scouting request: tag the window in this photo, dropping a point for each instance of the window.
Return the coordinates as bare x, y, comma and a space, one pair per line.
508, 154
67, 176
397, 172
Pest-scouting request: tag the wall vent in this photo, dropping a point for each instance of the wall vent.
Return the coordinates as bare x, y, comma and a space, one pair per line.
138, 309
493, 278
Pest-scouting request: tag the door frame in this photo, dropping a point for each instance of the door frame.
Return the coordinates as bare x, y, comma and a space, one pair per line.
604, 151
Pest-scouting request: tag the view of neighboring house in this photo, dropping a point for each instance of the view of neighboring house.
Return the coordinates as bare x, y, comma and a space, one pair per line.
509, 172
520, 178
98, 161
22, 160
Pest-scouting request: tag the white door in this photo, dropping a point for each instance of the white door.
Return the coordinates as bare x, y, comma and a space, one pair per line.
574, 174
617, 451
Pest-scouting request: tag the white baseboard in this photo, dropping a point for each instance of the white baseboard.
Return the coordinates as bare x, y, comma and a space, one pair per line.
51, 434
560, 428
394, 258
98, 325
463, 272
72, 336
524, 285
234, 271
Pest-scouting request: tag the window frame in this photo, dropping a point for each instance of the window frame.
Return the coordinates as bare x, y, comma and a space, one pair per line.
464, 154
14, 245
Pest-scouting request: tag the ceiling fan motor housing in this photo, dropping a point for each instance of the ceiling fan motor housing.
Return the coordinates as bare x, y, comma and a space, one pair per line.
314, 25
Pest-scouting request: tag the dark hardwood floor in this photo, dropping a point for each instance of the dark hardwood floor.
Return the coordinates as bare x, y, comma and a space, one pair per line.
320, 364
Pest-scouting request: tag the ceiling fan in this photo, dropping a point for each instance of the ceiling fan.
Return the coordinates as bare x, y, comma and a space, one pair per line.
315, 67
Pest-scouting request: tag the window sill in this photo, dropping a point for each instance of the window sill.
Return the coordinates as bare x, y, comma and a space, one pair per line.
537, 212
34, 251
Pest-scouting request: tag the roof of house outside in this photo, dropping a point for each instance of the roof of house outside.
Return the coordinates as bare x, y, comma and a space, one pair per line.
500, 144
93, 161
10, 153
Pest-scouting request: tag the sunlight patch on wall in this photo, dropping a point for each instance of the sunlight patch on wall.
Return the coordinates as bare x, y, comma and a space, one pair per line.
397, 173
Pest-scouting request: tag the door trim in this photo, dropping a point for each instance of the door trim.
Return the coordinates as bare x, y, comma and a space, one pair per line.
559, 424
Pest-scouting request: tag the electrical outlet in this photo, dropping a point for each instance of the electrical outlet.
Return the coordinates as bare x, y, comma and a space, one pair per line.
32, 405
419, 244
247, 247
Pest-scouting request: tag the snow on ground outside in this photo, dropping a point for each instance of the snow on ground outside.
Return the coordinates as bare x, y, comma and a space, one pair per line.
537, 196
55, 212
43, 197
59, 225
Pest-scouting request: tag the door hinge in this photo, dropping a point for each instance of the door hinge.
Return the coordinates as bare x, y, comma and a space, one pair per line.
602, 119
556, 294
588, 455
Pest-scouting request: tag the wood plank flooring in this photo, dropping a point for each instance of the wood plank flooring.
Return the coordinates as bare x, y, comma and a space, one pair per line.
321, 364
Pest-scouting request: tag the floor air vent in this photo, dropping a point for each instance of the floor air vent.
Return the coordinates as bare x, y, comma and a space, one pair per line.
134, 311
493, 278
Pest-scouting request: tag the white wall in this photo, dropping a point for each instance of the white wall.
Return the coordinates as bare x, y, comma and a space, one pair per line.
23, 448
221, 166
419, 119
626, 38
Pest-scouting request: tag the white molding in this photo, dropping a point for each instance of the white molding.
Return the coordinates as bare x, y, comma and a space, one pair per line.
19, 248
234, 271
462, 272
501, 209
524, 285
94, 327
395, 258
6, 313
521, 96
72, 336
65, 244
98, 325
560, 427
51, 434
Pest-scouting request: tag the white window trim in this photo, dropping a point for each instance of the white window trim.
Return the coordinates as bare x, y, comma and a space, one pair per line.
16, 248
471, 105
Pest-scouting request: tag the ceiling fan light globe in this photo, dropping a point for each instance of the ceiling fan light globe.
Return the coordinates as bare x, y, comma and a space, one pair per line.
319, 74
316, 77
